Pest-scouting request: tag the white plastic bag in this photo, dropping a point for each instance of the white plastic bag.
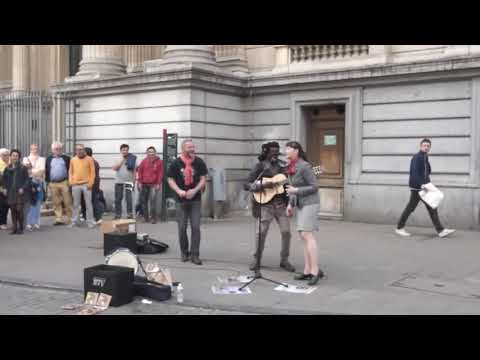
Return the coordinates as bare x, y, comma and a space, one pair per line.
431, 195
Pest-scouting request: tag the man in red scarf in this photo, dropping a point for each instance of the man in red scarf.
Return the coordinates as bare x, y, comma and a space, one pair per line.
187, 176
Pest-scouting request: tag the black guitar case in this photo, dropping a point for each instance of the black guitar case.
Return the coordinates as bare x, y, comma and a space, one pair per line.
150, 289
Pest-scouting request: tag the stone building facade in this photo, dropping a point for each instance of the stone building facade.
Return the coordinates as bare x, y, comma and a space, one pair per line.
360, 110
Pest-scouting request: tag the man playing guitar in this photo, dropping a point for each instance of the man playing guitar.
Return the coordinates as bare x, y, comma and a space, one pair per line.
267, 167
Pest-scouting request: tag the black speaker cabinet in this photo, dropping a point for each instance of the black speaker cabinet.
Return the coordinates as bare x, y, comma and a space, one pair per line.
116, 281
113, 241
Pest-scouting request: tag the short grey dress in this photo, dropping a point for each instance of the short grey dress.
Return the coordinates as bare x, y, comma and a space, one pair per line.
307, 200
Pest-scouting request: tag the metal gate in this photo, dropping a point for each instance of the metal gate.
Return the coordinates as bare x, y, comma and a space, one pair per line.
70, 106
26, 118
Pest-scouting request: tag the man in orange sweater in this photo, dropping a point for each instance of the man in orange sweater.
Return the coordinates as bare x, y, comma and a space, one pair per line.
81, 177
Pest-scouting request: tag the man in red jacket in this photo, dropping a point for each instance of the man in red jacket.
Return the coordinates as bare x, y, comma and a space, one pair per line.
149, 179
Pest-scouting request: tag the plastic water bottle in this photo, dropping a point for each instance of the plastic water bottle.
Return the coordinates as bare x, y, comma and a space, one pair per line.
179, 293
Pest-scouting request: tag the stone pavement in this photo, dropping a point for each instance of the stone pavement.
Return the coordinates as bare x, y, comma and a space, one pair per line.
27, 300
370, 270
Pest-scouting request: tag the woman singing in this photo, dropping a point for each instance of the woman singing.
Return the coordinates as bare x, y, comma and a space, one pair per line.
303, 194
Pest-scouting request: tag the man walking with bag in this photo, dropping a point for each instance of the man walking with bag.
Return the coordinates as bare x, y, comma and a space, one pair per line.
420, 171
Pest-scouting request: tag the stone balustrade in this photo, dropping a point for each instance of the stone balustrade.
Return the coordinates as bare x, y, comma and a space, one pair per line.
304, 53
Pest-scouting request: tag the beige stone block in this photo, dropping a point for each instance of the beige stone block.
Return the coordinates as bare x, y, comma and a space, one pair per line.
418, 92
420, 110
417, 129
261, 57
440, 164
331, 201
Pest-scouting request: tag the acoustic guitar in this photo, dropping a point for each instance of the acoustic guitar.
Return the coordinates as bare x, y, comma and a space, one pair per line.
279, 181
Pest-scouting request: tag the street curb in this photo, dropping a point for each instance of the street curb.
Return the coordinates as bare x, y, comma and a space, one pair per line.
199, 305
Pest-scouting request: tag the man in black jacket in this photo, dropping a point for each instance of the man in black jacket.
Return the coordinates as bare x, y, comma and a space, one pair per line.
98, 207
420, 171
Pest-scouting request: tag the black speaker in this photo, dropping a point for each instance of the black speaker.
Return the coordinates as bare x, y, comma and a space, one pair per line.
113, 241
116, 281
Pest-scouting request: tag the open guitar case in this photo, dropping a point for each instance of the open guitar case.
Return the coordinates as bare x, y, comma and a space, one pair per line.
150, 289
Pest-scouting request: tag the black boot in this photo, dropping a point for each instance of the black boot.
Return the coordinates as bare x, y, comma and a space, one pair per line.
255, 265
21, 222
315, 278
14, 221
284, 264
196, 260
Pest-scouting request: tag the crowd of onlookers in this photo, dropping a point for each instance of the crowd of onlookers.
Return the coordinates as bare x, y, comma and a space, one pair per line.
74, 186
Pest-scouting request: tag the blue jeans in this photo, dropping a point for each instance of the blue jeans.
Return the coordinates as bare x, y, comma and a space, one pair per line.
33, 217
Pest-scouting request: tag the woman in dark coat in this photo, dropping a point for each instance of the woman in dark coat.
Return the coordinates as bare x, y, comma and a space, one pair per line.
18, 187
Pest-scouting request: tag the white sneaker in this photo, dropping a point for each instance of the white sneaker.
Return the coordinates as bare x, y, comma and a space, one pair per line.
3, 227
36, 227
29, 227
402, 232
99, 222
446, 232
72, 225
91, 226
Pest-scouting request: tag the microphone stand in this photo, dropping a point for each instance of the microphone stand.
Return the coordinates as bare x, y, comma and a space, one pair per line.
258, 275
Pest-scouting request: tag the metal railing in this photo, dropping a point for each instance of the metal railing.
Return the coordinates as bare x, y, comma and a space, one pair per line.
70, 105
25, 119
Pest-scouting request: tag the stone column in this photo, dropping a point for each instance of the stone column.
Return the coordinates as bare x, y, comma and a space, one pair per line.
21, 68
136, 55
232, 57
200, 54
184, 54
157, 51
100, 61
5, 68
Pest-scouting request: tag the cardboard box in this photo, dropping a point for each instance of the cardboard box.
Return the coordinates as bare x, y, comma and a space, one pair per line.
123, 226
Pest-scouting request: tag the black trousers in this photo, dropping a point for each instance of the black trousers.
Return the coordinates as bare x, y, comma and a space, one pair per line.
189, 211
3, 209
18, 215
119, 189
412, 205
98, 208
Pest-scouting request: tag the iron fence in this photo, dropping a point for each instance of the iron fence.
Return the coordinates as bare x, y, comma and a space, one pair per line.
26, 118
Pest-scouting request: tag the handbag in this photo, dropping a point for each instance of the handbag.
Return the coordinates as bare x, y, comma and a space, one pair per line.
431, 195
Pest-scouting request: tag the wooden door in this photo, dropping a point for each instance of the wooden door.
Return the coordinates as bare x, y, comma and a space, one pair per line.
325, 147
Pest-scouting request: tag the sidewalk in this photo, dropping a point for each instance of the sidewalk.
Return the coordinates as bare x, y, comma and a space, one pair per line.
370, 270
